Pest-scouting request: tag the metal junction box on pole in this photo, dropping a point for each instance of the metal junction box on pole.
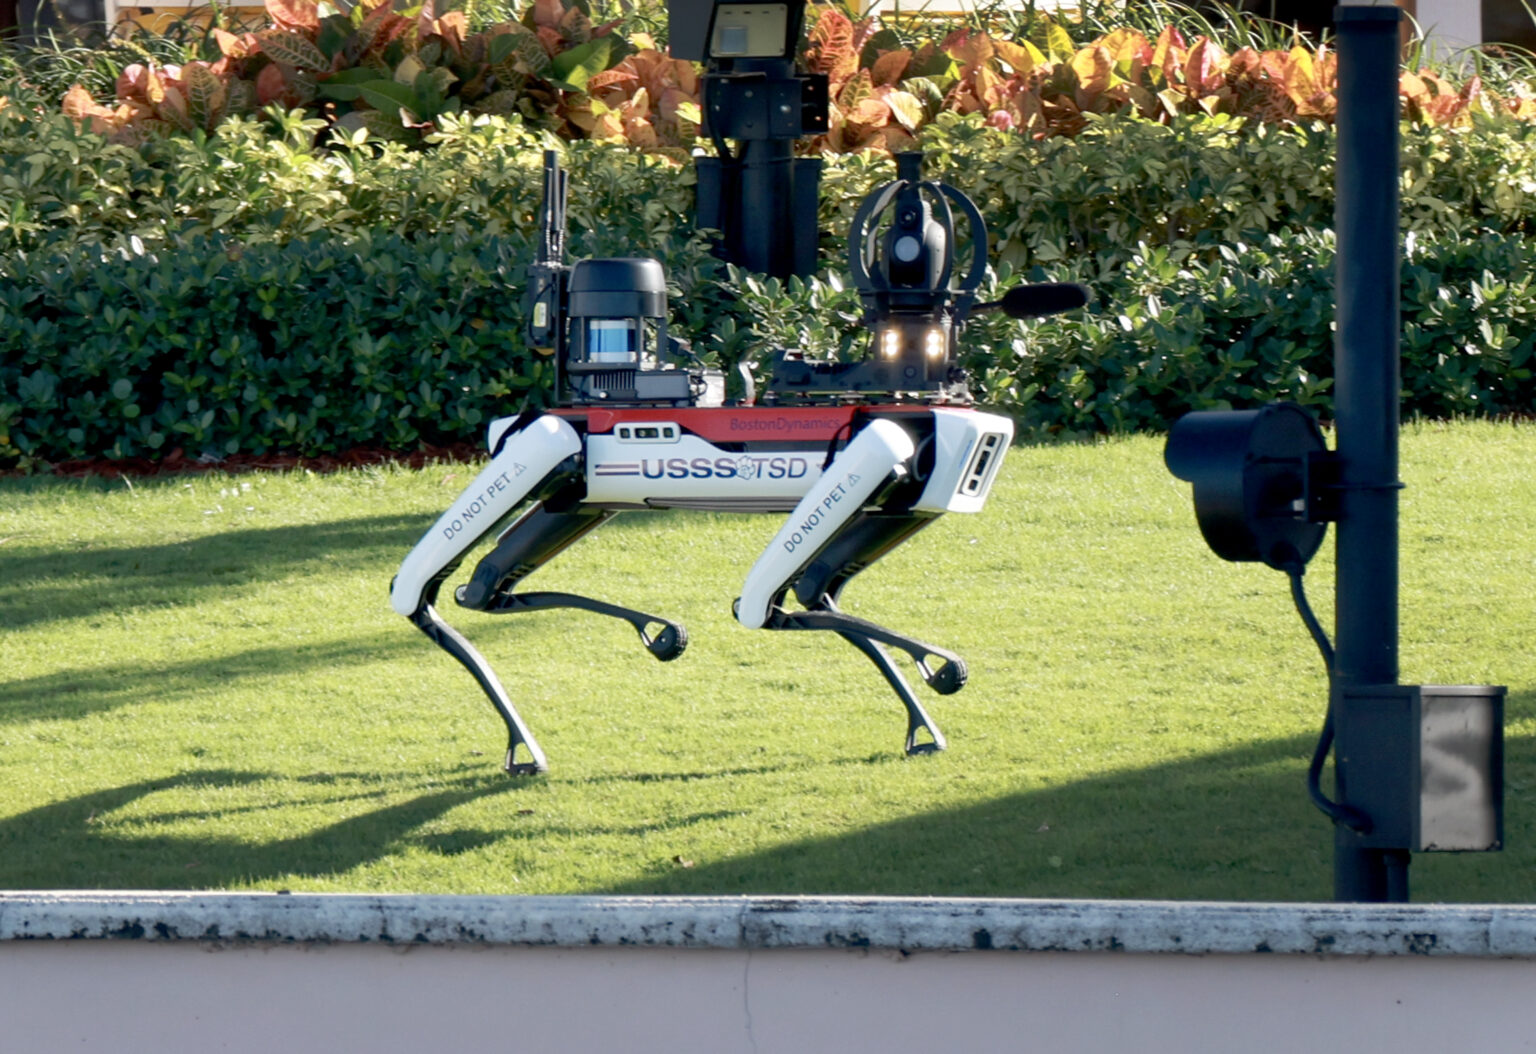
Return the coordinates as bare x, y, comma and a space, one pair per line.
1426, 764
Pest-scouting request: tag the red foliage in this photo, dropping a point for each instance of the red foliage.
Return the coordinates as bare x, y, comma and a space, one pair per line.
879, 99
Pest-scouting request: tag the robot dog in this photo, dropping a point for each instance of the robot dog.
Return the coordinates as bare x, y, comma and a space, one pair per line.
860, 455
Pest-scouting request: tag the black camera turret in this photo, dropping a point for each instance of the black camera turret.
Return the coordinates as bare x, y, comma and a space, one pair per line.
901, 252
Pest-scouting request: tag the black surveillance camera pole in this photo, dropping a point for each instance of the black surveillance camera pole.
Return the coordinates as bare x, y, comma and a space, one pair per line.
1366, 397
761, 198
1418, 768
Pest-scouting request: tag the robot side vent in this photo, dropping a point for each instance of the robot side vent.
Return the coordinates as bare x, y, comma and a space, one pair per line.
610, 380
601, 385
978, 475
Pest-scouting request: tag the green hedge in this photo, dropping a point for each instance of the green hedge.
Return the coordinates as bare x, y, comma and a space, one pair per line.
257, 299
315, 345
60, 186
1176, 330
1256, 324
1085, 201
249, 290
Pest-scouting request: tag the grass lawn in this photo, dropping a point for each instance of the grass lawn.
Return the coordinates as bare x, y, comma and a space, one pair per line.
202, 686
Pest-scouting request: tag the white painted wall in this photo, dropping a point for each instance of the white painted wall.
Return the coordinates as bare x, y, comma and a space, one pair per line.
936, 7
166, 973
158, 998
1450, 26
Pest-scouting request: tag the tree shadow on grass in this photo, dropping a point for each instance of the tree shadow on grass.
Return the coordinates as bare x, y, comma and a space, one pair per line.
1234, 825
41, 587
106, 838
75, 693
1229, 825
74, 844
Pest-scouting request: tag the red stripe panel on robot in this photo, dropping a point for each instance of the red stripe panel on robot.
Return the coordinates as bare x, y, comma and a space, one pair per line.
747, 459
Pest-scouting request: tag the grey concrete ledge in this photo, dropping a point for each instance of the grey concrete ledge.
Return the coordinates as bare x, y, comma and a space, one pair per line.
761, 922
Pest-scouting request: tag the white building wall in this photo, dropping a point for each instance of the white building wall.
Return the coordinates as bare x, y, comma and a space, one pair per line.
1450, 26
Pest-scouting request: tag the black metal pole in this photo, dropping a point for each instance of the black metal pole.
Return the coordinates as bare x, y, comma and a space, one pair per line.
765, 237
762, 198
1366, 401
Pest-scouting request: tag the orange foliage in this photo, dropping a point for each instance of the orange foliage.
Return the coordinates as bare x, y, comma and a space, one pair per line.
879, 100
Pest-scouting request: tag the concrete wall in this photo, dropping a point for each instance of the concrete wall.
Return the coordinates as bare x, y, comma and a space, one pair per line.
189, 972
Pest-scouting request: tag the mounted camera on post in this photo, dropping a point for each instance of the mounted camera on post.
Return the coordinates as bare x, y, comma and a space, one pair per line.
1262, 481
757, 194
1425, 761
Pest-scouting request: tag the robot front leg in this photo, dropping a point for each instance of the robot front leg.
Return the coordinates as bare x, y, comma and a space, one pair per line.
917, 717
865, 539
534, 459
829, 538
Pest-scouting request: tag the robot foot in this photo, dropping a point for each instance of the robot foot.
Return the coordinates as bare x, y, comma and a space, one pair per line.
946, 678
531, 767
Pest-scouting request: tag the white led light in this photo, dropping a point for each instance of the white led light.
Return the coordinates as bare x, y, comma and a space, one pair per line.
933, 343
890, 342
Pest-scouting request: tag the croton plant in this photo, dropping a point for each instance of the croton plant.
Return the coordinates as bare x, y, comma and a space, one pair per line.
395, 70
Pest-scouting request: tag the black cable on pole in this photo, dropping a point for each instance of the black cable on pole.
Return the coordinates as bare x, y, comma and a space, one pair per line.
1304, 609
1349, 817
